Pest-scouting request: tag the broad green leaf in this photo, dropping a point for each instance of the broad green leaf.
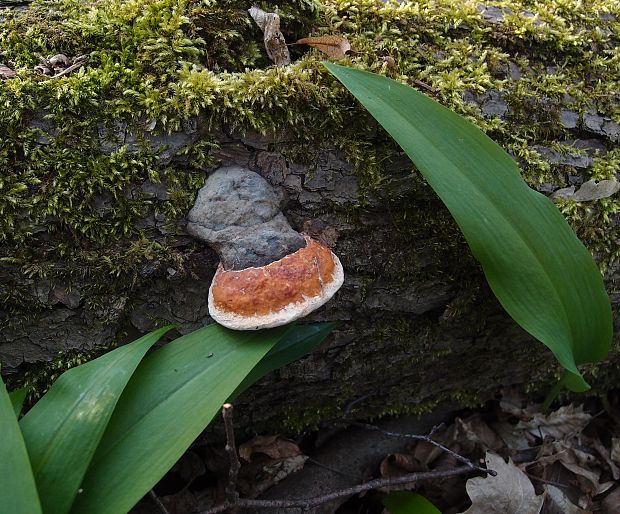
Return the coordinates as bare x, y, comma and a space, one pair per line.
18, 492
405, 502
168, 402
298, 341
64, 428
540, 272
17, 399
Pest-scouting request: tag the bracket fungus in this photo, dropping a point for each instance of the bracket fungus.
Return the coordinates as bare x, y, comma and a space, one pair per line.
268, 275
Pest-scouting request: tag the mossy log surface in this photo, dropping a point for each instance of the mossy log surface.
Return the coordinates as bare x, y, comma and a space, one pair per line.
99, 167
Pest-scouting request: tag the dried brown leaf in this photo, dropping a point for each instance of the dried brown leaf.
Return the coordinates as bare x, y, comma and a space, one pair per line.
567, 420
275, 44
475, 430
272, 446
577, 461
7, 73
399, 463
611, 503
510, 492
335, 47
257, 477
615, 450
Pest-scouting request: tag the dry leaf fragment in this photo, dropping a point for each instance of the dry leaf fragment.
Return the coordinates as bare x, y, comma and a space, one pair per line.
275, 44
615, 449
565, 421
590, 190
270, 445
6, 72
510, 492
389, 61
335, 47
558, 502
611, 503
577, 461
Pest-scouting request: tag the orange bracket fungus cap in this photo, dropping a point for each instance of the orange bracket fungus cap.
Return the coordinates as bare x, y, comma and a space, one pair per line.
269, 275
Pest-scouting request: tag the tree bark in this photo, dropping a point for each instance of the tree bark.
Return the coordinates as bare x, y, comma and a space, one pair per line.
418, 322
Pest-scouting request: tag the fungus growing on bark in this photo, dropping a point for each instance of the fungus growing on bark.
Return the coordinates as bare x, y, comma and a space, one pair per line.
269, 275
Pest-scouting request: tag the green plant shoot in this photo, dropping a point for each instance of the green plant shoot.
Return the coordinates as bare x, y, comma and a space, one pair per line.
536, 266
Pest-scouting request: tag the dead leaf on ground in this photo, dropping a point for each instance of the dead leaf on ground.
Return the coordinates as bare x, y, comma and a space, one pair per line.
590, 190
256, 477
577, 461
558, 503
604, 454
275, 44
611, 503
397, 464
514, 402
615, 449
335, 47
510, 492
7, 73
271, 445
567, 420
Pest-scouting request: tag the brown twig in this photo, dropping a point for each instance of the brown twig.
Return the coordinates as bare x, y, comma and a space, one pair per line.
159, 503
425, 438
307, 503
426, 86
232, 496
79, 62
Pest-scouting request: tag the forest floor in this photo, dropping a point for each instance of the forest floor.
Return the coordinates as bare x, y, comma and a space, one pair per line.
563, 461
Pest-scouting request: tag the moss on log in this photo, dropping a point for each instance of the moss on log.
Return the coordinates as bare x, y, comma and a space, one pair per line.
98, 168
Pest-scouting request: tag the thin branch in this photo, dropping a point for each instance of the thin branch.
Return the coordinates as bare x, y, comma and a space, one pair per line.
159, 503
307, 503
424, 438
231, 449
79, 62
333, 470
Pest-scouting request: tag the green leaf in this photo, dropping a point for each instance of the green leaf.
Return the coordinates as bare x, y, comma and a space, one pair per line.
298, 341
168, 402
405, 502
540, 272
17, 399
64, 428
18, 492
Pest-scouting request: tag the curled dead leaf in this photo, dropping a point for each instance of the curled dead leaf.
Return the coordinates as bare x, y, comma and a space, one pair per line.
399, 463
271, 445
389, 61
335, 47
275, 44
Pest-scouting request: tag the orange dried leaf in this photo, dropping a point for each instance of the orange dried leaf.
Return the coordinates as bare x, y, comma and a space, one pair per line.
335, 47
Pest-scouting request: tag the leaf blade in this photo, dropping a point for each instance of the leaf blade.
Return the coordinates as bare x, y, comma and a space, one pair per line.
164, 408
537, 268
18, 396
63, 429
407, 502
18, 492
294, 345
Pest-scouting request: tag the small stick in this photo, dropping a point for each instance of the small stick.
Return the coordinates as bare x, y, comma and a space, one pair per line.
231, 449
426, 86
81, 60
307, 503
159, 503
424, 438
